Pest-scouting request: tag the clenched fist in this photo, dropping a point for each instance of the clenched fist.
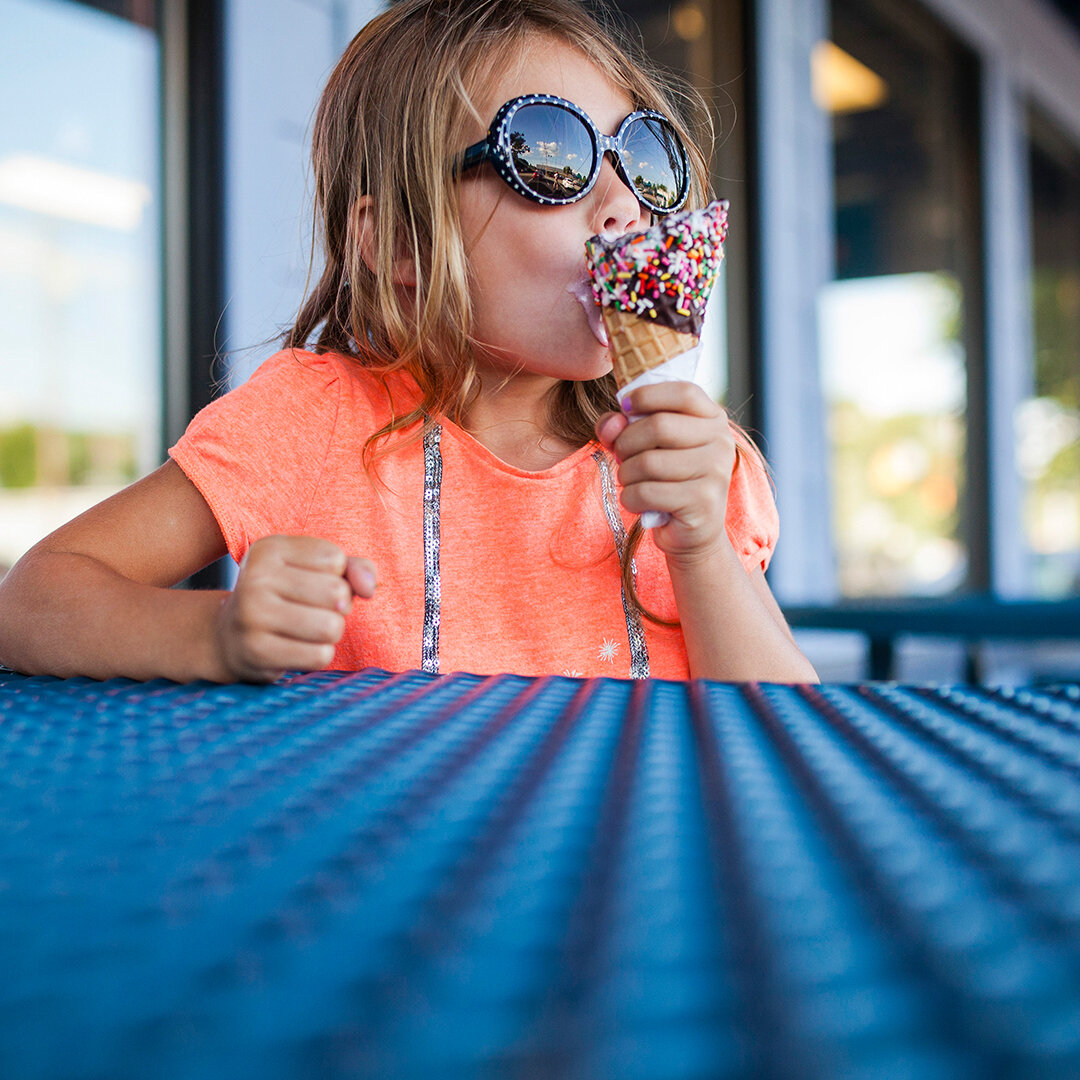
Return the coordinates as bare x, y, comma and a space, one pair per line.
287, 612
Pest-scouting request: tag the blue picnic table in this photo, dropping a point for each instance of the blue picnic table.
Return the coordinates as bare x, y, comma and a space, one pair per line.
407, 875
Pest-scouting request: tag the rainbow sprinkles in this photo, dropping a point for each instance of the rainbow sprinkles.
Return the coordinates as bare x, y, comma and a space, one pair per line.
664, 273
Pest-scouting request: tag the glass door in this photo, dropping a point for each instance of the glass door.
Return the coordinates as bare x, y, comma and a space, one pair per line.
80, 256
1048, 423
701, 42
901, 323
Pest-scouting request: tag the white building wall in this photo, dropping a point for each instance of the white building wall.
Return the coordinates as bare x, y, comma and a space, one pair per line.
795, 191
278, 55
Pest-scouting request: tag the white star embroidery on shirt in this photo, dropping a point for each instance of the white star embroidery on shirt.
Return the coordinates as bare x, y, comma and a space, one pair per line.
608, 650
573, 674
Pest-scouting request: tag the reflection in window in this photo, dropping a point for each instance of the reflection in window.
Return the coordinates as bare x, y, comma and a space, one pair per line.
678, 35
896, 445
1048, 424
896, 323
79, 256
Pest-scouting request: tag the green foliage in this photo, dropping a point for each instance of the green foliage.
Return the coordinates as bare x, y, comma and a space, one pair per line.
80, 460
34, 456
896, 485
1056, 306
18, 457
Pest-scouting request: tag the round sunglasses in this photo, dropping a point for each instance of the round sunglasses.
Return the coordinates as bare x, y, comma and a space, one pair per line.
549, 150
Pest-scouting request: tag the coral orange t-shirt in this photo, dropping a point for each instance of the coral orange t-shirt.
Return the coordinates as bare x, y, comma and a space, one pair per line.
483, 567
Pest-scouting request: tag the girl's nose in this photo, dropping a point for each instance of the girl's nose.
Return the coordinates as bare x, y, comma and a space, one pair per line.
617, 207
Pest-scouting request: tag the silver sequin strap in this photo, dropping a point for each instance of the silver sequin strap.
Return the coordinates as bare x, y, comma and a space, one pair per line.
432, 578
639, 648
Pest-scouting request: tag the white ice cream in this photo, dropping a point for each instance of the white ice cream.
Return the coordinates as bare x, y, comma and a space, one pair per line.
582, 290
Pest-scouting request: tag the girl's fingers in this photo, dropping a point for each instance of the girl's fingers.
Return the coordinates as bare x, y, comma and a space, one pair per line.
268, 655
312, 553
270, 553
255, 612
677, 457
694, 504
307, 570
313, 588
667, 430
655, 495
300, 622
676, 397
671, 466
609, 427
362, 576
324, 590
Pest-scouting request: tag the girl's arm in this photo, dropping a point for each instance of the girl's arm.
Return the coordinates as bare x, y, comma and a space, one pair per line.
679, 457
94, 597
733, 627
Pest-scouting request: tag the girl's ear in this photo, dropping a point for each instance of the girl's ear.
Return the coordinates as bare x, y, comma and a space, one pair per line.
403, 270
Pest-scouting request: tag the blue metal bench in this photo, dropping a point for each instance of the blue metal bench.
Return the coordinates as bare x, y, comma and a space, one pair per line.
973, 620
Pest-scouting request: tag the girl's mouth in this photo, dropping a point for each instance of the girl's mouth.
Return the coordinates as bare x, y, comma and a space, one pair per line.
581, 290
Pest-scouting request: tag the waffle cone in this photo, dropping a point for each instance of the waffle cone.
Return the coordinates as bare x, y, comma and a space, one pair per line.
638, 345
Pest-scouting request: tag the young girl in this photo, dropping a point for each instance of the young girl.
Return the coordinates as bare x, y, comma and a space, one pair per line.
434, 472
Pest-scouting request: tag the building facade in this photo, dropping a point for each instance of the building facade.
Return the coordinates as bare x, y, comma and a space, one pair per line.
898, 323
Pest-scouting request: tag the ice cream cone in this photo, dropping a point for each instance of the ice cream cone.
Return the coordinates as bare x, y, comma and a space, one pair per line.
652, 288
639, 345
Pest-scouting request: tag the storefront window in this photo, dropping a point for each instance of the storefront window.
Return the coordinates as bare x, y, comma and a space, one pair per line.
1048, 423
700, 40
899, 323
80, 361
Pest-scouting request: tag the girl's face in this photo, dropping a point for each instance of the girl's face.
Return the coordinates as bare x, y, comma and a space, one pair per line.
524, 258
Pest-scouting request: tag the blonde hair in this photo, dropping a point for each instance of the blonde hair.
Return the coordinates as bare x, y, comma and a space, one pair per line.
396, 112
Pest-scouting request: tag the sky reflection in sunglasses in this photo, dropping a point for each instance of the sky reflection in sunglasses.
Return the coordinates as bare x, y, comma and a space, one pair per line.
549, 151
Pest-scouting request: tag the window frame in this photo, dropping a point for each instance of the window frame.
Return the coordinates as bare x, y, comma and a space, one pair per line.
193, 249
1027, 53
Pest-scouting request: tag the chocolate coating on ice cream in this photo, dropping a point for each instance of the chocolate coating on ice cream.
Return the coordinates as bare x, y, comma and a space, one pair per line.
664, 273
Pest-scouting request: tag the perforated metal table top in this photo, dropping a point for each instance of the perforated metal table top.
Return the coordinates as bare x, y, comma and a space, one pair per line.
410, 875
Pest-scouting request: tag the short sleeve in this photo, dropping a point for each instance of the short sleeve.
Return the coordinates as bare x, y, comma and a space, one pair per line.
257, 453
753, 523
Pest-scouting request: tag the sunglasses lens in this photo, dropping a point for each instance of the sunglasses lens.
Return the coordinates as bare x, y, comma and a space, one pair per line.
551, 150
653, 158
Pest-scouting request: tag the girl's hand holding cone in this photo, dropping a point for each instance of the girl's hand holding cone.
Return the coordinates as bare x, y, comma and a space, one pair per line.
678, 457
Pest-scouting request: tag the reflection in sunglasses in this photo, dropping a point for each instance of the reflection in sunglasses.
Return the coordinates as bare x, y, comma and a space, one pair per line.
547, 148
